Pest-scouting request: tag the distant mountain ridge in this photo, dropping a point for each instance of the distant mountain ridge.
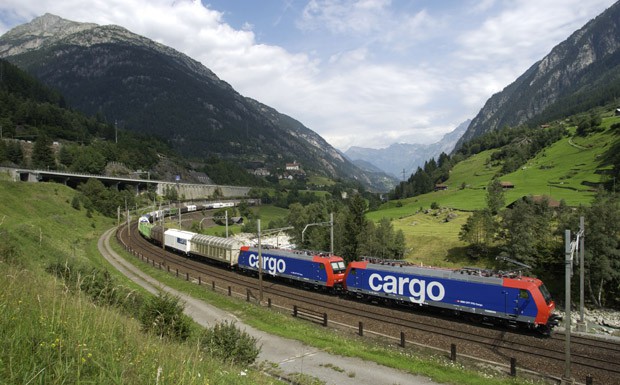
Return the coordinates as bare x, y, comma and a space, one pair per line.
401, 156
578, 74
153, 89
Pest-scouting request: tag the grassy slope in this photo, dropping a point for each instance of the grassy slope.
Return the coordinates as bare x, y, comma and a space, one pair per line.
267, 214
53, 336
559, 171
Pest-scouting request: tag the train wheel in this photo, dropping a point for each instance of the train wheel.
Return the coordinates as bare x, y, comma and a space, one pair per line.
545, 330
475, 318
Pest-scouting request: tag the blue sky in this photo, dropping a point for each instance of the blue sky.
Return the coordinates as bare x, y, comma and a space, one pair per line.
360, 73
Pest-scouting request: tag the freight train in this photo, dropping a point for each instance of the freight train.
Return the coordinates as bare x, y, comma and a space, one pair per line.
169, 211
476, 294
306, 268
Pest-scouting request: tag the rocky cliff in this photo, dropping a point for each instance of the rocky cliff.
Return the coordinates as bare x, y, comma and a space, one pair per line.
578, 74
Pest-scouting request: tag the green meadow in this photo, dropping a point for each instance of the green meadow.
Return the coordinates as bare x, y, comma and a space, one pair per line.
564, 171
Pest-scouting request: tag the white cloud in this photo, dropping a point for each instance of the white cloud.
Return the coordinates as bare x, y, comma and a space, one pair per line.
507, 44
369, 73
526, 28
345, 16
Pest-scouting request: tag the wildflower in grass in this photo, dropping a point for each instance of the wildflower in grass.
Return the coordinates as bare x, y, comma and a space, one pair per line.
159, 371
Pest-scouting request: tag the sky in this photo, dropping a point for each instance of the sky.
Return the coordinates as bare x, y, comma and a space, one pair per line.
365, 73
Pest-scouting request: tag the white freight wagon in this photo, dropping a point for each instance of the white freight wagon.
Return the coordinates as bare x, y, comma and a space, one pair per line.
179, 240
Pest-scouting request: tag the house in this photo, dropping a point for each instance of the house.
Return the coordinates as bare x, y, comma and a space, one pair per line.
551, 203
441, 187
617, 111
261, 172
506, 185
292, 166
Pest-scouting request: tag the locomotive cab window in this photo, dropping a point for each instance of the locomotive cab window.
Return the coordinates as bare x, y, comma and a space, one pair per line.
523, 294
545, 293
338, 267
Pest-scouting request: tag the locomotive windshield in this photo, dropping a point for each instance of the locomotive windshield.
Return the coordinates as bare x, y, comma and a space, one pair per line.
545, 293
338, 267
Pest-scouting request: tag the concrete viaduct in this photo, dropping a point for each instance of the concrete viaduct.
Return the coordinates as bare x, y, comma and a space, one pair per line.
187, 190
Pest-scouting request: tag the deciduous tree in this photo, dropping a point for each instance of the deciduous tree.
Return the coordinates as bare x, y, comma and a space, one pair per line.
479, 230
495, 196
527, 232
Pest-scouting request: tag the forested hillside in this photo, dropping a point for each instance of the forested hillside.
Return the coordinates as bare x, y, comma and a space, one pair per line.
514, 147
154, 90
31, 112
39, 130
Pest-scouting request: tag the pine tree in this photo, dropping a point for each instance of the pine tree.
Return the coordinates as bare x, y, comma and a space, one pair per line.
602, 247
42, 155
354, 226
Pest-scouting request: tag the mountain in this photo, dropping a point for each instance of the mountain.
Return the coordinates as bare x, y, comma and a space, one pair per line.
400, 156
578, 74
153, 89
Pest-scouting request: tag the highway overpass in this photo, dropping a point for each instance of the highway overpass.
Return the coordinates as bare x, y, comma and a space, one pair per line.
187, 190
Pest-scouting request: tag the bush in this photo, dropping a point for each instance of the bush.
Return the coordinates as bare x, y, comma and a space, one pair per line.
163, 316
9, 248
75, 203
228, 343
98, 284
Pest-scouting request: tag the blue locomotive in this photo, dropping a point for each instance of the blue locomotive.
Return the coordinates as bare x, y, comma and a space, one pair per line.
478, 294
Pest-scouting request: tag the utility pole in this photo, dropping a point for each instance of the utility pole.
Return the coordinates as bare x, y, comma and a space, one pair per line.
260, 265
330, 223
568, 264
581, 325
163, 228
260, 254
226, 224
331, 233
128, 224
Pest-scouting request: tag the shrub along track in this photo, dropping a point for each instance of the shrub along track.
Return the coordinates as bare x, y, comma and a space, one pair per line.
595, 357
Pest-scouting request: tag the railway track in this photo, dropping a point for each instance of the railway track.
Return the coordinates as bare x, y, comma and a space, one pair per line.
590, 357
